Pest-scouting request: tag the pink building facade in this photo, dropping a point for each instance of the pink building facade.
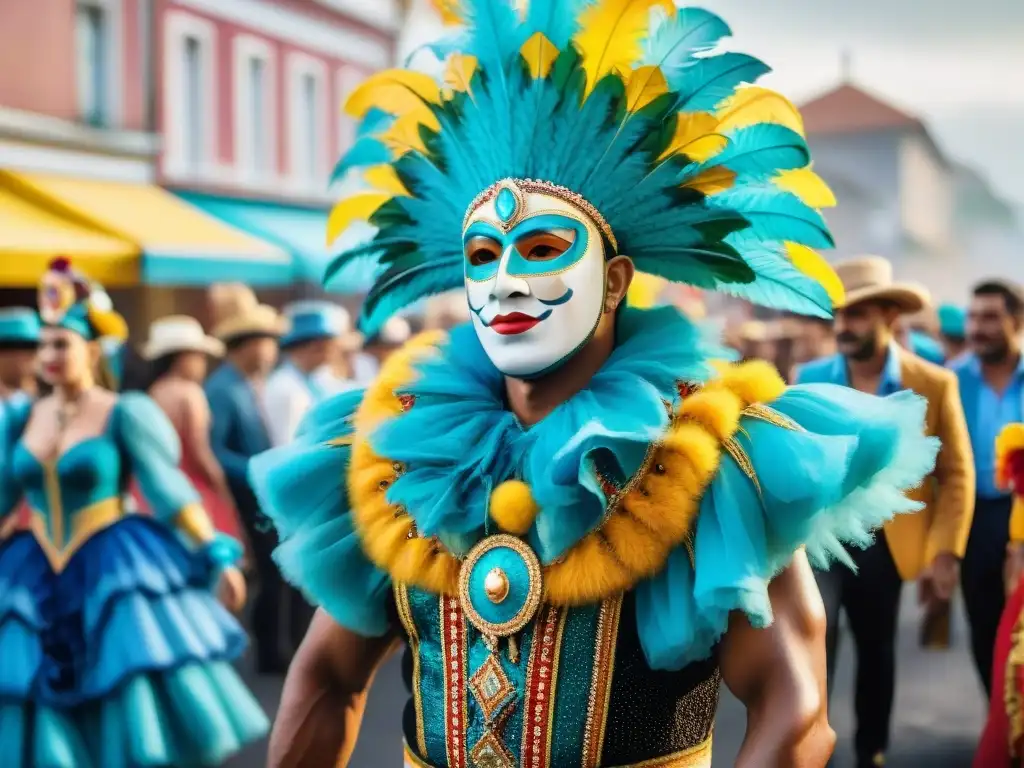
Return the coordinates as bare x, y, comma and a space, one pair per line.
251, 93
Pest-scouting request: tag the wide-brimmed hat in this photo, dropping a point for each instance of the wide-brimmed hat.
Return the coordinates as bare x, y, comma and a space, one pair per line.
179, 333
312, 320
238, 313
870, 278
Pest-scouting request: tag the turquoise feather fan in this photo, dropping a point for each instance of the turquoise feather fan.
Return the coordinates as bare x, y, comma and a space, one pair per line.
624, 102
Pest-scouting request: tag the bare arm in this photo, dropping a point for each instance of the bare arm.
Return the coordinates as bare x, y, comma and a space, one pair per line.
325, 695
779, 675
195, 421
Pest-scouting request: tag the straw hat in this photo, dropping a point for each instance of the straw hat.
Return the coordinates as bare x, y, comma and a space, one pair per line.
237, 313
179, 333
870, 278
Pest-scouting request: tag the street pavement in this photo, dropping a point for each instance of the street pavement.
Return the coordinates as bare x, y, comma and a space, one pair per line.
938, 715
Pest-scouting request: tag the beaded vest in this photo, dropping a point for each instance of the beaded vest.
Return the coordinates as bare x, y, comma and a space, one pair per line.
572, 688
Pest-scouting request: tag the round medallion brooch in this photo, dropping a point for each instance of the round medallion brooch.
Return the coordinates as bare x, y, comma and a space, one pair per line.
500, 585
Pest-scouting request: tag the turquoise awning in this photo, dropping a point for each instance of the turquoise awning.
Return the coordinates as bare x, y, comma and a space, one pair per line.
301, 232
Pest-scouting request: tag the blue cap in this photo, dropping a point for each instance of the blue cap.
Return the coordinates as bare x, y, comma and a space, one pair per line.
926, 347
312, 320
952, 321
19, 325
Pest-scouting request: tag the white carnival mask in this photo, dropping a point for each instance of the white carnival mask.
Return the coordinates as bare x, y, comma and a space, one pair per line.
535, 279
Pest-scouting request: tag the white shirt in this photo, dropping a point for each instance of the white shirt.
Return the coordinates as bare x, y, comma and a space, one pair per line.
332, 384
365, 367
287, 398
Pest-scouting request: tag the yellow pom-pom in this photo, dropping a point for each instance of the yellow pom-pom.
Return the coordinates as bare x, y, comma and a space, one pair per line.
513, 507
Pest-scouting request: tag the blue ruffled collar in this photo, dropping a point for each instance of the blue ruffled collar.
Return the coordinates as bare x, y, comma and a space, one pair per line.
459, 441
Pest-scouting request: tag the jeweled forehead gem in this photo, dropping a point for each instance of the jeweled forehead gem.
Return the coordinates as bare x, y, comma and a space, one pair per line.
506, 204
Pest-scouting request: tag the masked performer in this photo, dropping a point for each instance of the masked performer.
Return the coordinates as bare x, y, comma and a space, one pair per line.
576, 523
114, 652
1002, 743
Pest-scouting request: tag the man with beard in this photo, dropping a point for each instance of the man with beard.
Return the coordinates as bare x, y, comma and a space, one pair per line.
926, 545
992, 387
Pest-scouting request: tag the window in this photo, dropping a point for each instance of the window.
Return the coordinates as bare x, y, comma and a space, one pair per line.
258, 116
310, 116
93, 65
307, 127
192, 99
348, 80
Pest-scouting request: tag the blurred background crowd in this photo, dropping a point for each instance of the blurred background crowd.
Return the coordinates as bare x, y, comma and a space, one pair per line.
180, 153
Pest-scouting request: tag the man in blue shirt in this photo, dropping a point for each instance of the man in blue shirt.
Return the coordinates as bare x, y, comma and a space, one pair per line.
992, 387
925, 545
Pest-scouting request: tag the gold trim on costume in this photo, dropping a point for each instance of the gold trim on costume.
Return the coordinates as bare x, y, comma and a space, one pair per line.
534, 590
696, 757
409, 625
85, 524
762, 412
193, 520
545, 188
599, 699
735, 450
412, 761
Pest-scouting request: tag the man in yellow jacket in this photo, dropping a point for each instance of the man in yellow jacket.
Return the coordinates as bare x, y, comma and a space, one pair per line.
926, 545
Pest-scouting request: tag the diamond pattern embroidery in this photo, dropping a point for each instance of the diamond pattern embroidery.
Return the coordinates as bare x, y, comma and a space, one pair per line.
491, 687
490, 752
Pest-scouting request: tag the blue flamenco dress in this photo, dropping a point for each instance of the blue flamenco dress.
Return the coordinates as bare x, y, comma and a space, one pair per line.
114, 652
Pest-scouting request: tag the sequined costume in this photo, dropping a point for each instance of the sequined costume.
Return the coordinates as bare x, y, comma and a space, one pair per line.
114, 651
563, 587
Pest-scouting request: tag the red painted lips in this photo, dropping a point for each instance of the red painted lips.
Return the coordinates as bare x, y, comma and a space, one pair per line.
513, 324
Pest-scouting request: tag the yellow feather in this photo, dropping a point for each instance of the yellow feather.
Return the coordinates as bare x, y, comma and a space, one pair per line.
808, 186
395, 91
696, 137
459, 72
540, 54
404, 134
712, 181
812, 264
610, 35
644, 290
384, 178
753, 105
449, 10
352, 209
645, 85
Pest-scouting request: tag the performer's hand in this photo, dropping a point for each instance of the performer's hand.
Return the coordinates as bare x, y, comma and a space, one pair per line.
1013, 570
231, 589
938, 583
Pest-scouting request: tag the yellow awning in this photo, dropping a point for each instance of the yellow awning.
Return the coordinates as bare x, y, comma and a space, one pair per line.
178, 242
31, 235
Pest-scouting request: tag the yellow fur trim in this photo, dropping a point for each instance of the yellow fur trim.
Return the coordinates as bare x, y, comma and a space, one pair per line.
387, 532
653, 514
513, 507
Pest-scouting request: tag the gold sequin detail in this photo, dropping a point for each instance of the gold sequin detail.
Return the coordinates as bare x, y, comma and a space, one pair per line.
409, 625
735, 450
762, 412
599, 699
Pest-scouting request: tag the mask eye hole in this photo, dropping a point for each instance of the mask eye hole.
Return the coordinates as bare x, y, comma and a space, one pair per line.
482, 250
545, 246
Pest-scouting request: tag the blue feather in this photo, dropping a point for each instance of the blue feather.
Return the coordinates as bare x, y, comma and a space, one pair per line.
775, 215
400, 286
441, 49
365, 152
760, 151
778, 283
374, 121
557, 20
496, 36
673, 43
707, 82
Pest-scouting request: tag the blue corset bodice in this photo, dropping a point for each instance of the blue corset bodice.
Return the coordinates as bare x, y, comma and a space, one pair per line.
75, 495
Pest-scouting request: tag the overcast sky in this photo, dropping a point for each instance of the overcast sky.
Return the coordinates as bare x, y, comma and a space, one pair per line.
957, 64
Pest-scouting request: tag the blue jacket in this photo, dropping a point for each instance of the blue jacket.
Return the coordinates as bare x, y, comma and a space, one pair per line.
238, 431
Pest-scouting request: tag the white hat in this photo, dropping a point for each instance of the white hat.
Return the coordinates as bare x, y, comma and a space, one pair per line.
179, 333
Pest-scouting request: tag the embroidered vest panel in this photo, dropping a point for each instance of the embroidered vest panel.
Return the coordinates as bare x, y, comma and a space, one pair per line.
571, 689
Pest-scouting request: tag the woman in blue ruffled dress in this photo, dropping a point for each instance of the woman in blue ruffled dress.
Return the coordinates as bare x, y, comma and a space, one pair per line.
114, 649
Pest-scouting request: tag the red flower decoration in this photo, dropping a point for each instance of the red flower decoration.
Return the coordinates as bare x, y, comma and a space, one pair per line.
407, 401
1015, 471
61, 264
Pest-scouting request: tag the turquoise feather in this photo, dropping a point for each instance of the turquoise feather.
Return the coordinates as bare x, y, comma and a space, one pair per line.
555, 19
761, 151
673, 43
778, 284
775, 215
709, 81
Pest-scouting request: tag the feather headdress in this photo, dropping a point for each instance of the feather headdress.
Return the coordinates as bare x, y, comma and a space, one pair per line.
702, 178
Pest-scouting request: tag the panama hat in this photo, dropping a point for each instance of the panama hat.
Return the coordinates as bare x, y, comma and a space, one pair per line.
312, 320
869, 278
237, 313
179, 333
